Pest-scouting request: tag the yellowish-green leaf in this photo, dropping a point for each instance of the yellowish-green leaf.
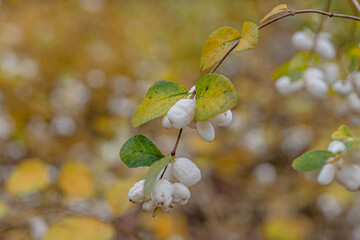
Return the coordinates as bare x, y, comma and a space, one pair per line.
215, 94
80, 228
75, 180
117, 196
153, 174
249, 37
278, 9
216, 45
157, 102
342, 133
29, 176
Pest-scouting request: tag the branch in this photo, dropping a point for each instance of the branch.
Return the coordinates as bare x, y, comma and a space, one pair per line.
356, 4
292, 13
322, 21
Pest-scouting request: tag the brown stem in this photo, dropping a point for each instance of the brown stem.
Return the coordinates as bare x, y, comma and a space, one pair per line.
177, 143
292, 13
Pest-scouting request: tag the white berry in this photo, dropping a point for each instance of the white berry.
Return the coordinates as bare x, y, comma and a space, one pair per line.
336, 146
327, 174
161, 195
180, 194
222, 119
285, 86
205, 130
149, 206
136, 193
182, 113
302, 41
342, 87
186, 172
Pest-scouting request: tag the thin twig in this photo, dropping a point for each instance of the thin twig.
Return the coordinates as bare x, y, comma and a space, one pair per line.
226, 54
177, 143
322, 22
356, 4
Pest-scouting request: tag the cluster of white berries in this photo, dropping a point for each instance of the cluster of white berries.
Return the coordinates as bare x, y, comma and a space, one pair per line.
171, 189
314, 81
183, 114
345, 172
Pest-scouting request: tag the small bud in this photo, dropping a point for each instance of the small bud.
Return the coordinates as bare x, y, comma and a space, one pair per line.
205, 130
182, 113
180, 194
186, 172
302, 41
342, 87
285, 87
336, 147
317, 87
161, 195
325, 48
148, 206
136, 193
327, 174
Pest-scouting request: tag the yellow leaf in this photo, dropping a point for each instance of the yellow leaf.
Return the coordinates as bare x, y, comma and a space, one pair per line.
249, 37
117, 196
75, 180
80, 228
278, 9
29, 176
216, 45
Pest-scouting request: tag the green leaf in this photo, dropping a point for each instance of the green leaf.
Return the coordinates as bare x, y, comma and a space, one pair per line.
214, 95
153, 174
341, 133
216, 45
249, 37
158, 100
139, 151
278, 9
311, 160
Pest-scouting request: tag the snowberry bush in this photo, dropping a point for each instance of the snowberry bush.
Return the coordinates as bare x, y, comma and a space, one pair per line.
313, 71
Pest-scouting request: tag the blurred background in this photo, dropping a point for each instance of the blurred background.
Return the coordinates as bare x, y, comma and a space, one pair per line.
71, 75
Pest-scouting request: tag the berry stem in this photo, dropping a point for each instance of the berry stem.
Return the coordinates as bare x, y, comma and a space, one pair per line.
173, 152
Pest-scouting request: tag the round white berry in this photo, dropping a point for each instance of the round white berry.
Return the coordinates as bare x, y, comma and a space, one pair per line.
285, 86
348, 175
222, 119
314, 73
180, 194
302, 41
354, 102
342, 87
336, 146
166, 122
182, 113
325, 48
316, 87
186, 172
136, 193
331, 72
327, 174
161, 195
149, 206
205, 130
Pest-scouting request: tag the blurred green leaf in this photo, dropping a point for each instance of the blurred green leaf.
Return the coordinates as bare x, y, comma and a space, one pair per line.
80, 228
342, 133
311, 160
278, 9
214, 95
216, 45
249, 37
139, 151
158, 100
352, 145
153, 174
